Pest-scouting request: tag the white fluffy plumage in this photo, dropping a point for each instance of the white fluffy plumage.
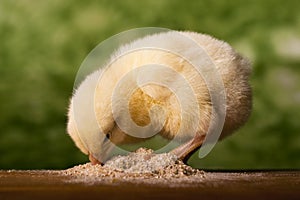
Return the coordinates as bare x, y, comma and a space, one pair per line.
91, 119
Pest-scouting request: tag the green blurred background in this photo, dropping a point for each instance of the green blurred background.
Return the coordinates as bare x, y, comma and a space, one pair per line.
42, 44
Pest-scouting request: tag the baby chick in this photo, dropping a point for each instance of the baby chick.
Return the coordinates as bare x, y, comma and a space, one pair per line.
96, 109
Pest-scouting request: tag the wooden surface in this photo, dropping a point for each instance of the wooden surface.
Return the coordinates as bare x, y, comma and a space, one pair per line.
217, 185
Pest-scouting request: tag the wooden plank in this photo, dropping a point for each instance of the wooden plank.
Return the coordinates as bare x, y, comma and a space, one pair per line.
217, 185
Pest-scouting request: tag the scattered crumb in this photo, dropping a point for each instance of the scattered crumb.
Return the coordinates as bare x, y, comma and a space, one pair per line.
142, 166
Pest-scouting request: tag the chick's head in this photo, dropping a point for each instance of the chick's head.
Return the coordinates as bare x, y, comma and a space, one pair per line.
89, 134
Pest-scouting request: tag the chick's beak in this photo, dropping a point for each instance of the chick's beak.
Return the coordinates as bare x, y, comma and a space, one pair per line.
93, 160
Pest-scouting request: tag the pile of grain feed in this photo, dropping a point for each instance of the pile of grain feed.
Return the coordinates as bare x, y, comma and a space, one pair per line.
142, 165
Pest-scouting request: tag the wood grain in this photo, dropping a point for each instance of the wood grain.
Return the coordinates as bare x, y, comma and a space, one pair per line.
46, 184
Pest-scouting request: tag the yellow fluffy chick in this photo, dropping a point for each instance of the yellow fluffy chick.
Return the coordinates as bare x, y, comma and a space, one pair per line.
94, 111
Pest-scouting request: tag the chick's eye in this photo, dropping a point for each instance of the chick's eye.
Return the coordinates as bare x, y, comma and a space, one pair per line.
107, 136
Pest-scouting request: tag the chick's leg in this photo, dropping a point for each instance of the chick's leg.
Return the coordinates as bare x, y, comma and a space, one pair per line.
185, 150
